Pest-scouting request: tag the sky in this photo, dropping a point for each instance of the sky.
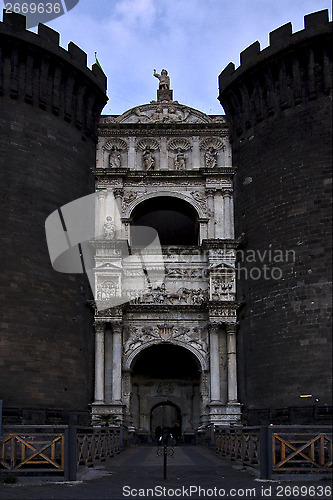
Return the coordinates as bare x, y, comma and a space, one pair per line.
193, 39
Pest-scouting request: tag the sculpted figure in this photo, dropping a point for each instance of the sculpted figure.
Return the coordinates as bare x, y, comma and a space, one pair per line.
180, 162
163, 78
114, 158
109, 228
211, 158
148, 159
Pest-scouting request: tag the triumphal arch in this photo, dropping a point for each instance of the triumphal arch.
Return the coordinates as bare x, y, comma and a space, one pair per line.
167, 355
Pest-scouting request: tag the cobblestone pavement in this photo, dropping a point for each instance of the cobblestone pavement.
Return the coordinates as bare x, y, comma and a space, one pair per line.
193, 472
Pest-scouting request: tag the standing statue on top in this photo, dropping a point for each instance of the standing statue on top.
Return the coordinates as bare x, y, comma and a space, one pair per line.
163, 78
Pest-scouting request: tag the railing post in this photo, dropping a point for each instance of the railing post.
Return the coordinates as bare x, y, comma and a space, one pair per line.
70, 453
121, 437
266, 463
0, 419
212, 435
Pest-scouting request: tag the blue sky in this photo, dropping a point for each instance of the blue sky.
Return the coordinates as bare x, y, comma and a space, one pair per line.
193, 39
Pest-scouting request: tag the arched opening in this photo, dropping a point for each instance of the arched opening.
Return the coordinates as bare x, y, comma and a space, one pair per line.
174, 219
165, 414
165, 390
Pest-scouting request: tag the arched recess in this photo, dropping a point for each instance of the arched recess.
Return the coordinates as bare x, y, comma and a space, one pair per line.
129, 358
175, 218
165, 414
165, 373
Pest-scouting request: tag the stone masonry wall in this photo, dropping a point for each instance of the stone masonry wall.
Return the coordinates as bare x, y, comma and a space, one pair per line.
279, 107
50, 104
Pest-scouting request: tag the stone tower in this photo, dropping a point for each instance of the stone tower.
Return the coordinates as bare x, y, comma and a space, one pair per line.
279, 108
50, 104
168, 355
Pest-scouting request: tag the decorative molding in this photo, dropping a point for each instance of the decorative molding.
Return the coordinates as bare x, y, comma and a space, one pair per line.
148, 143
179, 144
216, 143
160, 296
117, 143
138, 336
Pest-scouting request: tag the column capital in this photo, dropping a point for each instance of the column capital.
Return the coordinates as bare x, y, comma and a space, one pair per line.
227, 192
117, 326
210, 191
118, 192
214, 326
99, 326
102, 193
231, 328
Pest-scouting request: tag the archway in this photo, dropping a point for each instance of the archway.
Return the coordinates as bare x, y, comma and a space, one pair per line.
165, 414
165, 387
175, 220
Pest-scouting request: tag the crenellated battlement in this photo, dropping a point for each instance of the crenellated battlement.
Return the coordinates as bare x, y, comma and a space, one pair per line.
294, 68
37, 71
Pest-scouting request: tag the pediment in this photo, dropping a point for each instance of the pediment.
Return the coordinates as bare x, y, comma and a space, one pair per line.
109, 266
163, 112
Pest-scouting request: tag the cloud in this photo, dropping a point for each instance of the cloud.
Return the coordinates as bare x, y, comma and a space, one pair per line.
193, 39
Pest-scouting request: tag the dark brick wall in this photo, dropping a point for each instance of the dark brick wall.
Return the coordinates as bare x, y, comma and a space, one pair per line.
50, 103
279, 108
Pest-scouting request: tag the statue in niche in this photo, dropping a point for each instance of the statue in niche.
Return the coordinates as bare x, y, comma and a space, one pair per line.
148, 159
163, 78
109, 228
180, 162
114, 158
211, 158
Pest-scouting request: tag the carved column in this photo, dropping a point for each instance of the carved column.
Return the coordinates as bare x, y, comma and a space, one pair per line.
232, 362
131, 152
195, 153
219, 214
215, 391
163, 154
228, 214
118, 194
101, 196
99, 362
210, 205
116, 362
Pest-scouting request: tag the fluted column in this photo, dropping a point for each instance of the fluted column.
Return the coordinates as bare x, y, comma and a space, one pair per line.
232, 362
195, 153
116, 361
210, 205
218, 214
118, 194
99, 362
101, 196
131, 153
228, 214
215, 391
163, 154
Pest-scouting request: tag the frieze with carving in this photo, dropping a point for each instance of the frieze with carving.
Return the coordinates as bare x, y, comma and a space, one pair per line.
186, 273
222, 285
192, 335
107, 290
108, 227
157, 112
159, 295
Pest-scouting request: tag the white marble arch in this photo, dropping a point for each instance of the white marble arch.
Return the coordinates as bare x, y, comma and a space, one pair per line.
202, 214
130, 357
